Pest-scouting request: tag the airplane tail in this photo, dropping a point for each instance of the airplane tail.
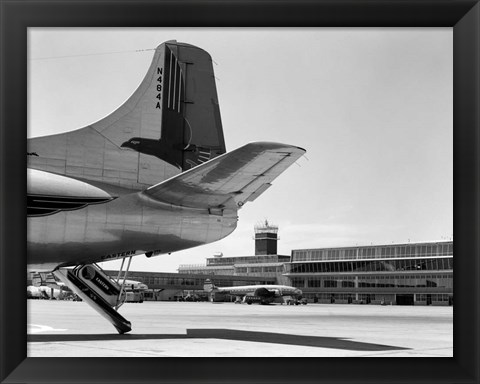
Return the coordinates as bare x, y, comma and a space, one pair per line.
208, 286
170, 124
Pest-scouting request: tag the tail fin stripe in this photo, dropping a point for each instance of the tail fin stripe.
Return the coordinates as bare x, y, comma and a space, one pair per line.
174, 83
170, 79
179, 88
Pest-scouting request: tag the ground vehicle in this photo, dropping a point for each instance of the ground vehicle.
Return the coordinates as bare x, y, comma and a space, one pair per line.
296, 302
134, 296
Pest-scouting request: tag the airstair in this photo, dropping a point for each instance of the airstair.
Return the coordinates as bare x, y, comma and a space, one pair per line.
98, 290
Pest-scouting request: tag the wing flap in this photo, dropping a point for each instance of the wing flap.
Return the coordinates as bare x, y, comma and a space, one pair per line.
230, 179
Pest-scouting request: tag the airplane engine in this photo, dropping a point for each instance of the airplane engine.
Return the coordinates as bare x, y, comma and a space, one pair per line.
264, 293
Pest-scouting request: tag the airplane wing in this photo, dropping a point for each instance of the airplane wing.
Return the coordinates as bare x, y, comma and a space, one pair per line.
231, 179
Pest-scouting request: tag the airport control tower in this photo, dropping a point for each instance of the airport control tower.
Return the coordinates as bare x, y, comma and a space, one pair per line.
266, 237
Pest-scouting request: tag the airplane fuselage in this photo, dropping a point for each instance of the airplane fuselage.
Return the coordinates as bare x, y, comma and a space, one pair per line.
265, 294
279, 290
129, 225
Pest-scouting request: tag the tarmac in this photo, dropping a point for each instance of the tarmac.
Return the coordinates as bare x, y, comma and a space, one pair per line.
203, 329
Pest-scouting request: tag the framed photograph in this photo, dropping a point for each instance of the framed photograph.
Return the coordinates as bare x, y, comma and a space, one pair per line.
280, 32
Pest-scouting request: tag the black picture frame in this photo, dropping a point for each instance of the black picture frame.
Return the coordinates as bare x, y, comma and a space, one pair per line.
17, 16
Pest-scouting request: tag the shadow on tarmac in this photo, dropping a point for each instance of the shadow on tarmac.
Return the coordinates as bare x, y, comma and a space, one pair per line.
227, 334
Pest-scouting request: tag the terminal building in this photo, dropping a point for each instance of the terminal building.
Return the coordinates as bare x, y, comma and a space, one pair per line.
402, 274
397, 274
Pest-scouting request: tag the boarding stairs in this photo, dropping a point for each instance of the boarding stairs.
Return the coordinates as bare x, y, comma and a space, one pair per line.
97, 289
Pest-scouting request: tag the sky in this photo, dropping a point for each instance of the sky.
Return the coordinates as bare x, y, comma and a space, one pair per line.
373, 107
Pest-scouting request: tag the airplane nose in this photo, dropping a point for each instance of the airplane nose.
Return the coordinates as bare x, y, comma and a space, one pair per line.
298, 292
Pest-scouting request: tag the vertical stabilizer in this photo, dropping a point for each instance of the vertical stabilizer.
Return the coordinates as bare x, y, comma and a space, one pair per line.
171, 123
208, 286
180, 94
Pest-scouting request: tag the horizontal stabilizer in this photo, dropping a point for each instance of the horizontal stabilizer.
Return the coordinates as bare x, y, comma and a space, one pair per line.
229, 180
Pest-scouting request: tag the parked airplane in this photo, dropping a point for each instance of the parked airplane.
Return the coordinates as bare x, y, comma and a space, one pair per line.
44, 279
151, 178
133, 285
44, 292
264, 294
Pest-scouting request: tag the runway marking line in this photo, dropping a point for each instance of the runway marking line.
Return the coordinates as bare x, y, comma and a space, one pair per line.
37, 328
